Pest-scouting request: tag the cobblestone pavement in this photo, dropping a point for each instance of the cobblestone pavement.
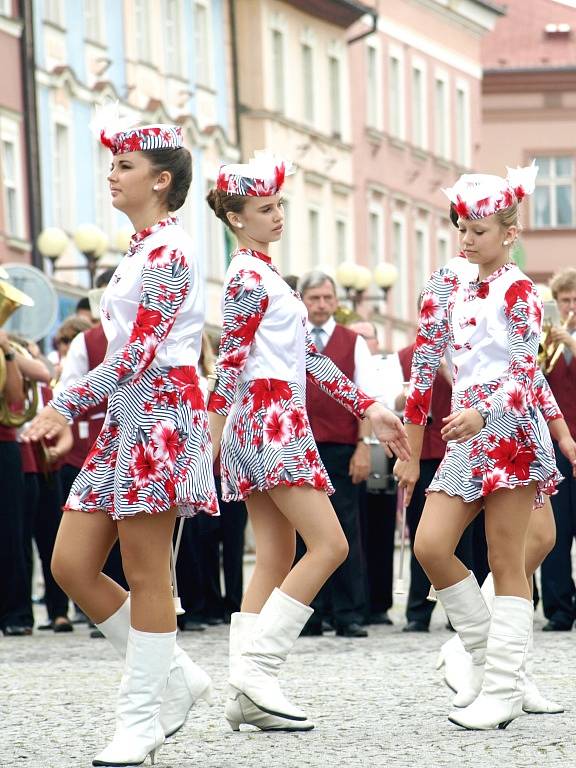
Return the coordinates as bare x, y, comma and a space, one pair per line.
375, 702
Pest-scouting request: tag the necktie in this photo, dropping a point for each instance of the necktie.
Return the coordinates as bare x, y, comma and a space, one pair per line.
318, 336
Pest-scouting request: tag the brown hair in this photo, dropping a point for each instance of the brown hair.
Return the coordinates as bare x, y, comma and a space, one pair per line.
563, 281
178, 162
70, 328
222, 203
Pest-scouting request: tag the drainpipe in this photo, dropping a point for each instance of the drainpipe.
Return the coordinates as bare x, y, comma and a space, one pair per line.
31, 128
235, 76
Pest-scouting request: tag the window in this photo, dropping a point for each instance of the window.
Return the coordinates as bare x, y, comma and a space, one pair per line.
375, 236
396, 95
142, 29
278, 98
399, 259
61, 177
553, 199
308, 82
341, 235
335, 86
202, 44
11, 174
419, 107
374, 87
314, 235
441, 117
422, 265
215, 243
443, 248
463, 140
5, 7
93, 21
54, 11
172, 37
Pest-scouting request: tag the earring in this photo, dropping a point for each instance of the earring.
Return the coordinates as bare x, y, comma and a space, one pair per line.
239, 225
505, 242
155, 187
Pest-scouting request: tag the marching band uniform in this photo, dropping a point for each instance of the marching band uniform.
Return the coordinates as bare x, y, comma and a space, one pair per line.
491, 329
154, 450
264, 358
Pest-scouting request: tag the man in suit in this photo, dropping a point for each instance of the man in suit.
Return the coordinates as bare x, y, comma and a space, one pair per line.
343, 444
558, 590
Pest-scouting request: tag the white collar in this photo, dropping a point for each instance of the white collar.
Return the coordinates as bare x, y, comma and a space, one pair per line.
328, 326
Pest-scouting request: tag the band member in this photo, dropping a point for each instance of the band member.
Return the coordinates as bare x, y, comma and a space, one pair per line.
499, 453
269, 457
152, 459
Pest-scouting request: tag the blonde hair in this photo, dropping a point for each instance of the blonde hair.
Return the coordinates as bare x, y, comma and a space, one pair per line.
563, 281
508, 217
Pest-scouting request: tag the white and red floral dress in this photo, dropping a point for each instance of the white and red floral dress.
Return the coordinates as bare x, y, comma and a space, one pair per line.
491, 330
264, 357
154, 451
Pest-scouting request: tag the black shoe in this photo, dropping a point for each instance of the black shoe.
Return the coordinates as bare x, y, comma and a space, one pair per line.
326, 627
16, 630
96, 634
415, 626
193, 626
351, 630
380, 618
553, 626
64, 626
44, 627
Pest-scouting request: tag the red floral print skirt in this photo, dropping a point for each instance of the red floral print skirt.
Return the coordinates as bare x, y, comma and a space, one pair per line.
268, 441
153, 453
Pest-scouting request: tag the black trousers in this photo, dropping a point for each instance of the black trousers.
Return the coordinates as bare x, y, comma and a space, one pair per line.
418, 607
378, 525
343, 598
113, 565
558, 590
15, 603
43, 514
204, 539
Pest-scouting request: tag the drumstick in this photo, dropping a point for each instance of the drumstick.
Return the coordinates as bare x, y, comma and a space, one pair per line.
173, 559
400, 588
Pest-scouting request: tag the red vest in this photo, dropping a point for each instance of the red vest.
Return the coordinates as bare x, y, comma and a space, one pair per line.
330, 421
562, 382
7, 434
433, 446
86, 428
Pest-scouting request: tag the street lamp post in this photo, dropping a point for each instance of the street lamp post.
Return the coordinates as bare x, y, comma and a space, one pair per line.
88, 238
355, 279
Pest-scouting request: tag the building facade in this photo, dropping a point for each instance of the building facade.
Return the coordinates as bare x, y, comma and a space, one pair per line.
15, 235
529, 112
294, 98
416, 126
139, 53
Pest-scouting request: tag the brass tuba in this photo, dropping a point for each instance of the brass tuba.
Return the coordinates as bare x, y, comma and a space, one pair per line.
549, 351
11, 299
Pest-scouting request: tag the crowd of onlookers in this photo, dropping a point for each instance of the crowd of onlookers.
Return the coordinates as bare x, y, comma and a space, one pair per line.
35, 480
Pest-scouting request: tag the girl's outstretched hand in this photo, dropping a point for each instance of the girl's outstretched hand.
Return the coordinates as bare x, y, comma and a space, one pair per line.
47, 424
389, 430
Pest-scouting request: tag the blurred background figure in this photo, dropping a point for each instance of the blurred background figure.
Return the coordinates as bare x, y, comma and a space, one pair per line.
558, 590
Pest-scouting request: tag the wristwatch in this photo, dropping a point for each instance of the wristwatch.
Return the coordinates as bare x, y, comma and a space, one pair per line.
366, 440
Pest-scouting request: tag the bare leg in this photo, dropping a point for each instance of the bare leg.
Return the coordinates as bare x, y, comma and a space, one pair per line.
309, 511
83, 543
145, 542
508, 514
275, 549
540, 537
444, 520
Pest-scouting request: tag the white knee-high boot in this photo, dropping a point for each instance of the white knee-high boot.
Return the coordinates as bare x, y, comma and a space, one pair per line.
466, 608
187, 682
239, 709
458, 672
275, 631
500, 699
138, 729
